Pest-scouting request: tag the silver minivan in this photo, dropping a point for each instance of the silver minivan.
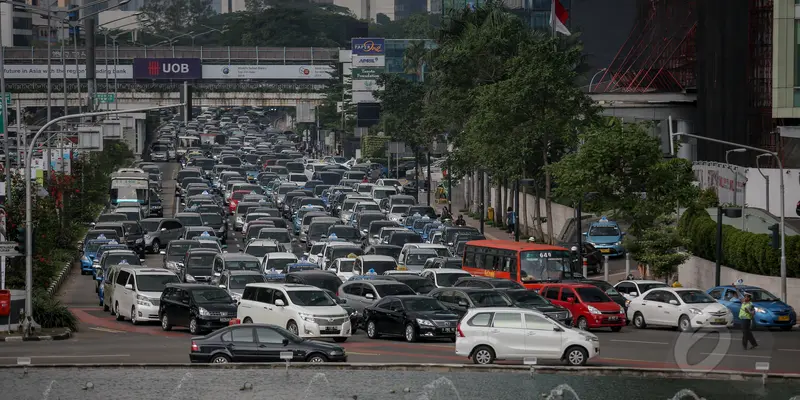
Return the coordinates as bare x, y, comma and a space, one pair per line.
361, 294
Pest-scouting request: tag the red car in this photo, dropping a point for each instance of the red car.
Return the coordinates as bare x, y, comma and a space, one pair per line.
236, 196
590, 307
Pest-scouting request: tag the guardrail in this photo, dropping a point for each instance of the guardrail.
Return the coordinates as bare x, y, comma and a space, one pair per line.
268, 55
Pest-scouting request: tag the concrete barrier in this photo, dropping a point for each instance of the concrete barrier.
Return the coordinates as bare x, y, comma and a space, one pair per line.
700, 273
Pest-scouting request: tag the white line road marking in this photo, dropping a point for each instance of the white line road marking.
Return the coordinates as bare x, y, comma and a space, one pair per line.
638, 341
351, 353
74, 356
788, 349
99, 329
734, 355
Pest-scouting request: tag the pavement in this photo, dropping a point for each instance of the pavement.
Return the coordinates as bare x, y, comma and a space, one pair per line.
102, 339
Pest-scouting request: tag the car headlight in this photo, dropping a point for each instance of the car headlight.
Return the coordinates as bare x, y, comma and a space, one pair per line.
621, 310
618, 243
591, 338
96, 262
236, 296
695, 311
143, 301
172, 265
203, 311
190, 278
593, 310
337, 352
627, 303
761, 310
306, 317
139, 240
424, 322
85, 259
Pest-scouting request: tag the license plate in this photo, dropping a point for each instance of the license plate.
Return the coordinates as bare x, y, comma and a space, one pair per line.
783, 318
613, 319
719, 320
330, 329
224, 319
448, 330
605, 250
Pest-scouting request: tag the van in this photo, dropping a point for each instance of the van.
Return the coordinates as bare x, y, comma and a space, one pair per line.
110, 278
382, 192
137, 291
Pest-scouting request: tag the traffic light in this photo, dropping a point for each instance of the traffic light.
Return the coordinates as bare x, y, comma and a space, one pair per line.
774, 236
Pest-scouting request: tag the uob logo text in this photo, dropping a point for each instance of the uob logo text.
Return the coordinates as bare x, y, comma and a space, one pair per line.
175, 68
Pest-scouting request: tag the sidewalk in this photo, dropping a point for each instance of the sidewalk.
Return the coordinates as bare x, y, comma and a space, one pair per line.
489, 231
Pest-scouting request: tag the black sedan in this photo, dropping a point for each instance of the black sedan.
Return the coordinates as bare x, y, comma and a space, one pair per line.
250, 343
525, 298
355, 316
412, 317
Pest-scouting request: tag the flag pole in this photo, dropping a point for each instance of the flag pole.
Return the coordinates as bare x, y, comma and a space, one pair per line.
553, 18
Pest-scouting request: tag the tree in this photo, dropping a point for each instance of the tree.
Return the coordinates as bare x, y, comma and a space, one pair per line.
168, 17
330, 113
624, 168
401, 105
661, 247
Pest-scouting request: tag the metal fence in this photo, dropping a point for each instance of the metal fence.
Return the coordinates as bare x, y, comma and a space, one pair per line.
254, 55
269, 87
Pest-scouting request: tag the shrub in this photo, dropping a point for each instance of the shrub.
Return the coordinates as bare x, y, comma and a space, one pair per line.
743, 251
50, 313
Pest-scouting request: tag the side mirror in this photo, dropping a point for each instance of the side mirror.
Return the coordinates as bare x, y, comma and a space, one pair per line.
163, 229
285, 342
319, 255
369, 296
673, 302
305, 254
162, 252
557, 329
341, 301
224, 246
128, 286
633, 294
279, 303
571, 300
463, 303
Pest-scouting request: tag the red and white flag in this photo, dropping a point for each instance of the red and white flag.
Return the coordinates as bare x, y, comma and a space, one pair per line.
561, 15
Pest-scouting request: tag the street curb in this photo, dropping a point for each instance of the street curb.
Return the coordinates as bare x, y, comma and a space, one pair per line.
62, 336
520, 369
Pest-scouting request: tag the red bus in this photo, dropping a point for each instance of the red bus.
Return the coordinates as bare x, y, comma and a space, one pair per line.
530, 264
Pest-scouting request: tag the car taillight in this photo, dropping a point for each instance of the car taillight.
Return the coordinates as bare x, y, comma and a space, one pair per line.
235, 321
458, 329
195, 347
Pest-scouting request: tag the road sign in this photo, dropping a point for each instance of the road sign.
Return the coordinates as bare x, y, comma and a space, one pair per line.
8, 249
106, 97
286, 355
8, 99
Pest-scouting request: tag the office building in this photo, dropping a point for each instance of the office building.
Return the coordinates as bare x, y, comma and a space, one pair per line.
16, 25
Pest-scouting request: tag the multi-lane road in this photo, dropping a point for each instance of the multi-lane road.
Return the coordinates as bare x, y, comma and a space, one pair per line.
101, 339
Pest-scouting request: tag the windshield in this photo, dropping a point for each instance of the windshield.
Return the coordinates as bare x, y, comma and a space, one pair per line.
201, 260
212, 219
297, 178
240, 265
206, 296
423, 305
400, 209
132, 259
419, 258
331, 283
177, 251
239, 281
191, 220
489, 299
367, 207
420, 223
207, 244
394, 290
380, 266
604, 231
260, 251
365, 220
154, 283
643, 287
695, 297
527, 298
129, 194
606, 287
344, 251
593, 295
92, 247
310, 298
201, 234
205, 164
149, 226
393, 252
382, 194
420, 285
319, 228
279, 264
758, 295
281, 236
455, 264
344, 232
544, 265
403, 200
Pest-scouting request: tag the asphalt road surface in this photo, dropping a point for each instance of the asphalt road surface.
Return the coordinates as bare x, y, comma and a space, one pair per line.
101, 339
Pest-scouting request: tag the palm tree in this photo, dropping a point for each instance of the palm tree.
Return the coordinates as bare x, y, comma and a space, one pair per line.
414, 59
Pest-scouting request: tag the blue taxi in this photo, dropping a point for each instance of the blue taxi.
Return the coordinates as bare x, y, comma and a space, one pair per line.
301, 266
90, 253
606, 237
771, 312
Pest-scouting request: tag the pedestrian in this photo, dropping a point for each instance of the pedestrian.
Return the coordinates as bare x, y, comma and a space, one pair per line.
746, 313
511, 220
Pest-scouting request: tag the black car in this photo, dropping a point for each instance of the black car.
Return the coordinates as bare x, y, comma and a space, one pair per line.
325, 280
219, 223
399, 238
487, 283
198, 266
156, 207
355, 316
459, 300
609, 290
525, 298
251, 343
196, 306
412, 317
417, 283
384, 250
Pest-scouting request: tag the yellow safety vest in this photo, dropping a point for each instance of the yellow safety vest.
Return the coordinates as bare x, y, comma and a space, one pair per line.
743, 314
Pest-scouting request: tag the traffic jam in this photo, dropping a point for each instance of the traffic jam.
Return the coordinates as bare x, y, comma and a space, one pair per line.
325, 249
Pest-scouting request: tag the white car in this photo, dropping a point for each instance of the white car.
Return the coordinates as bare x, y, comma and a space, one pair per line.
397, 212
440, 250
343, 268
505, 333
138, 300
631, 289
444, 277
277, 261
683, 308
304, 310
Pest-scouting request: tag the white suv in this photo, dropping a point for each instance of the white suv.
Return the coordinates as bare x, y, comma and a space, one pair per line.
504, 333
304, 310
138, 298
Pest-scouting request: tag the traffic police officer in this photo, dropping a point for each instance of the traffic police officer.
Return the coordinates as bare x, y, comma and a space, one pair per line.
746, 313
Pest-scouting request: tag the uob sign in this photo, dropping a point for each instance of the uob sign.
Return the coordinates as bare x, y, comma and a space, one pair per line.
167, 68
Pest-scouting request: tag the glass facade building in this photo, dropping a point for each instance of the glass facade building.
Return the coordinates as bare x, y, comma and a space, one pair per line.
535, 12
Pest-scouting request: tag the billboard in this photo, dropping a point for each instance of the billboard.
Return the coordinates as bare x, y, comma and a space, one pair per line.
369, 61
167, 68
367, 85
305, 72
29, 71
367, 73
368, 46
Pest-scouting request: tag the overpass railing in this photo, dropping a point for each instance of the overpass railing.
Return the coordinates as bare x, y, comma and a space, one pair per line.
166, 87
212, 55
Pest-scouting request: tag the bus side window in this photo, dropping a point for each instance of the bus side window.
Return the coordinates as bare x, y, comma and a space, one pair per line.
479, 260
469, 257
490, 262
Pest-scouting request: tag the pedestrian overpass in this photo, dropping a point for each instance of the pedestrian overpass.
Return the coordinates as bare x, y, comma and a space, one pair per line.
131, 100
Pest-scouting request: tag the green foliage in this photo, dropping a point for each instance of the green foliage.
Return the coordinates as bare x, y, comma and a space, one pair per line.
707, 198
742, 251
373, 147
416, 26
402, 103
50, 313
661, 247
623, 167
166, 17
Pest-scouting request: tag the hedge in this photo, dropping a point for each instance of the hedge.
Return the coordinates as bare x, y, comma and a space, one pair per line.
742, 251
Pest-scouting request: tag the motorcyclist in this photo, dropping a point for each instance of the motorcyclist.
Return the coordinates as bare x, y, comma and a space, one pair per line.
460, 221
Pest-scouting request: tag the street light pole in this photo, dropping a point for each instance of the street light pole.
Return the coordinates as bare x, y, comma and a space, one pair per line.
29, 202
591, 81
766, 177
782, 201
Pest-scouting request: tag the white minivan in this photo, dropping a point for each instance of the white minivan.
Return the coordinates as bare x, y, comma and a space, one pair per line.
137, 292
304, 310
504, 333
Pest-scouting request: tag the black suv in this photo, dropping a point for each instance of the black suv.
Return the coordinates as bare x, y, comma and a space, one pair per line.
487, 283
196, 306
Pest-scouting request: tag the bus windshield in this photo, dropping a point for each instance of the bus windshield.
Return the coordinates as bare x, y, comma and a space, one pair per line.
544, 265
